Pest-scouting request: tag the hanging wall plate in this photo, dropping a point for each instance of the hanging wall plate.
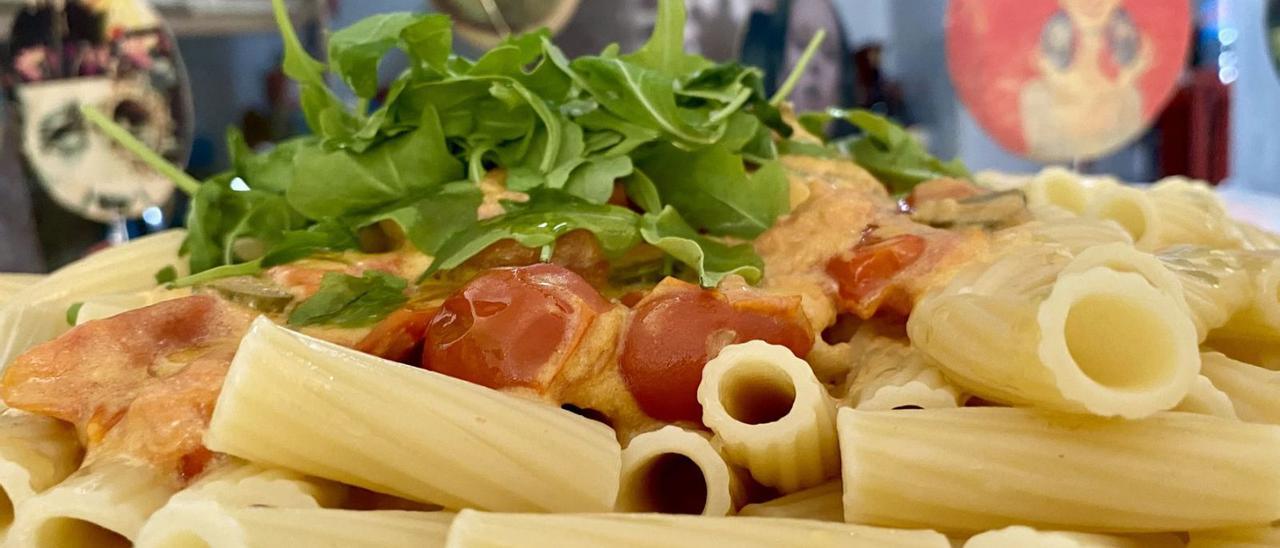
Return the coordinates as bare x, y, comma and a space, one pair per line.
484, 23
116, 56
1059, 80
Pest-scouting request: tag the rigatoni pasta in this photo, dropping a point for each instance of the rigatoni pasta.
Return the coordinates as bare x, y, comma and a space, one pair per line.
773, 415
435, 434
1244, 537
893, 375
1188, 212
677, 471
1259, 318
104, 504
239, 483
1100, 342
211, 525
1026, 537
36, 453
1215, 285
12, 283
1132, 209
822, 503
484, 530
1205, 398
975, 469
1254, 392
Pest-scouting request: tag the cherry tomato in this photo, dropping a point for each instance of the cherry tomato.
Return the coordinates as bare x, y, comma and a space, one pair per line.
679, 327
866, 275
512, 327
399, 336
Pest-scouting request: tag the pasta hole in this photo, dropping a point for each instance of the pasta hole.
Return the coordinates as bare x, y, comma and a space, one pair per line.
77, 533
1128, 214
907, 408
183, 540
6, 510
1064, 194
588, 413
671, 484
1119, 344
756, 393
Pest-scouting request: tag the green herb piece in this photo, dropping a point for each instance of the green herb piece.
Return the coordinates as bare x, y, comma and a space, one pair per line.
894, 157
547, 216
356, 51
226, 225
593, 180
73, 313
711, 259
271, 170
664, 50
429, 40
430, 221
166, 275
713, 191
645, 97
642, 192
336, 183
348, 301
300, 244
789, 84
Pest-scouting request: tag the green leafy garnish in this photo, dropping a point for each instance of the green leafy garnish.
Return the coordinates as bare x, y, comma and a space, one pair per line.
712, 260
73, 313
348, 301
166, 275
713, 191
887, 150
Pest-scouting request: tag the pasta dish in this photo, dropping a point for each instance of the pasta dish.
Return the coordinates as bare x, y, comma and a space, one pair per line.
630, 299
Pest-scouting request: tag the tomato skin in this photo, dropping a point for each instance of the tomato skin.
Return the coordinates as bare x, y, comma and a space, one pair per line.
866, 274
512, 327
399, 336
679, 327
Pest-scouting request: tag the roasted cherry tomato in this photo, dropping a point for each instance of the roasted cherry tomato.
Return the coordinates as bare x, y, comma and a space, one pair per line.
399, 336
512, 327
679, 327
866, 274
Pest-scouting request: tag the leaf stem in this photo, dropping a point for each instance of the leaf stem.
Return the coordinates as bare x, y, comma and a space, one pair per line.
186, 183
789, 85
225, 271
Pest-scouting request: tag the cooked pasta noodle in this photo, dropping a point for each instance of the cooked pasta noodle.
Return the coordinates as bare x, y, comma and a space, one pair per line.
774, 416
1076, 234
1132, 209
677, 471
831, 363
239, 483
821, 503
1125, 258
1099, 342
974, 469
106, 306
1254, 391
210, 525
1059, 187
104, 504
39, 313
1265, 354
1255, 238
405, 431
12, 283
1026, 537
1214, 284
36, 452
1259, 318
1245, 537
893, 375
484, 530
1205, 398
1189, 212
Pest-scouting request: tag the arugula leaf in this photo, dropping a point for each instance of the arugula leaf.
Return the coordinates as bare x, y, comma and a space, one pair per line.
429, 40
324, 112
593, 180
644, 97
888, 151
73, 313
547, 216
221, 216
665, 48
431, 221
166, 275
338, 183
641, 190
271, 170
300, 244
711, 259
348, 301
713, 191
356, 51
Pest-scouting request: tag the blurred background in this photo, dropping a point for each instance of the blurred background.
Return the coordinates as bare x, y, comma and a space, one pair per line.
1194, 88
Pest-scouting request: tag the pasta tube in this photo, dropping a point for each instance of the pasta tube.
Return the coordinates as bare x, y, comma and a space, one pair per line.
774, 416
1076, 234
831, 363
974, 469
1259, 319
36, 452
105, 306
1059, 187
208, 524
240, 483
677, 471
1254, 391
1188, 212
820, 503
1214, 284
104, 504
1100, 342
483, 530
1206, 399
1255, 238
1132, 209
296, 402
1026, 537
39, 313
1246, 537
893, 375
12, 283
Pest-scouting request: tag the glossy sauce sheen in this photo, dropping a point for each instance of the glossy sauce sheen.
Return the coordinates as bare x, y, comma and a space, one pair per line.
142, 383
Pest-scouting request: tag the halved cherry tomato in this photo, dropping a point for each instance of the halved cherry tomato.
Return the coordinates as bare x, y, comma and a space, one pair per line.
512, 327
679, 327
399, 336
866, 274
